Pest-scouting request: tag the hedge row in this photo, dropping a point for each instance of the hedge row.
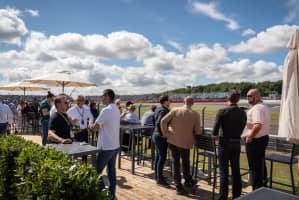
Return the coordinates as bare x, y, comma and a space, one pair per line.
29, 171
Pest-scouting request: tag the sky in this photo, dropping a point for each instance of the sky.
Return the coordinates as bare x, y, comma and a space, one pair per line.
141, 46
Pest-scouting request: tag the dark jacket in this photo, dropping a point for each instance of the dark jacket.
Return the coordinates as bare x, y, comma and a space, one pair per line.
160, 112
231, 120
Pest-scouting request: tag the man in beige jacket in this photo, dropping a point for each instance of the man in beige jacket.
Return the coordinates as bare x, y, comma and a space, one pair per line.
179, 127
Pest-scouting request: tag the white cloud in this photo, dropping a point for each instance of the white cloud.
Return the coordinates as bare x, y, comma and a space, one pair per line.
245, 70
293, 11
157, 68
33, 13
12, 27
116, 45
248, 32
273, 39
175, 45
210, 10
201, 58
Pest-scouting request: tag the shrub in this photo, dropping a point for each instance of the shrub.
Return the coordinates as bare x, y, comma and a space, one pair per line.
29, 171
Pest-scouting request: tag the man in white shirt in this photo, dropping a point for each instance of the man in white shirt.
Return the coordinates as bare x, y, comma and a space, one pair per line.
6, 117
82, 115
257, 136
108, 124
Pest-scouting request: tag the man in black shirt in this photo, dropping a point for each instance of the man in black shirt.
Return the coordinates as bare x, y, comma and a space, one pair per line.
232, 121
59, 124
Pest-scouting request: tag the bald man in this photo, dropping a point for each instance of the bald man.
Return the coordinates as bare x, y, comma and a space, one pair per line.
179, 126
256, 136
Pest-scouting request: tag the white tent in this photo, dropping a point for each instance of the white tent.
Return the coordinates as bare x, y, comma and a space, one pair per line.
289, 110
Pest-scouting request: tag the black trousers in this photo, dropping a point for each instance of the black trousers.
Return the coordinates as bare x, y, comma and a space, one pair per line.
178, 153
229, 153
82, 137
256, 160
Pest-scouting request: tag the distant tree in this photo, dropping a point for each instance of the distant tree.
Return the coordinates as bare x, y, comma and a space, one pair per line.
265, 87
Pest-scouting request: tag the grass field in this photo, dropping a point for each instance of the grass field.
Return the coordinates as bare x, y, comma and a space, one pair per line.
281, 172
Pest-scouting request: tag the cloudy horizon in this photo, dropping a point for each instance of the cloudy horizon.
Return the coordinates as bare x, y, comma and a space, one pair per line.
132, 59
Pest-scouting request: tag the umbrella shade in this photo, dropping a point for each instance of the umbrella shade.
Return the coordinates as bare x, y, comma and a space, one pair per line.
22, 87
289, 109
61, 79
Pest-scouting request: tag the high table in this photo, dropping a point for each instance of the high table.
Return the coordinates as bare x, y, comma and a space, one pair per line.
134, 130
77, 149
268, 193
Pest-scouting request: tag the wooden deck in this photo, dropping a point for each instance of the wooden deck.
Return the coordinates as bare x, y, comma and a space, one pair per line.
142, 185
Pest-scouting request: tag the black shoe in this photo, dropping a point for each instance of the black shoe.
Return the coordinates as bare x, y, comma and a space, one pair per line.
162, 182
180, 190
191, 183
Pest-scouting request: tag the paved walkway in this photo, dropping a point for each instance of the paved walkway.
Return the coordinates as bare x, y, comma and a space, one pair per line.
142, 185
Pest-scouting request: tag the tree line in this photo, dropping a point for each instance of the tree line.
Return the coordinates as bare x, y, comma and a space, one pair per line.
265, 87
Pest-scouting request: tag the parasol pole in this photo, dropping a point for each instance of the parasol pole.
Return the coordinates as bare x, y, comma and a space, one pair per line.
62, 86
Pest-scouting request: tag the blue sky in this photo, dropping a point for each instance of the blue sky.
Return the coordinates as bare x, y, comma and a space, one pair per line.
139, 46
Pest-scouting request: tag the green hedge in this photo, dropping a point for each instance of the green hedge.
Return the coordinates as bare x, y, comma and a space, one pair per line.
29, 171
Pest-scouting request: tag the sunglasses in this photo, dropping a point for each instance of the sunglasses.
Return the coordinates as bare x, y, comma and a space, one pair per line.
248, 96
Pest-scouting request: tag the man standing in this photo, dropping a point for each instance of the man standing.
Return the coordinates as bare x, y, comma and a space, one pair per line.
84, 118
45, 108
108, 124
179, 127
6, 117
59, 123
256, 136
160, 141
232, 121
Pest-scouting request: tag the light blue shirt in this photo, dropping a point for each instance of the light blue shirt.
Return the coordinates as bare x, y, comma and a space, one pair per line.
5, 114
131, 117
148, 118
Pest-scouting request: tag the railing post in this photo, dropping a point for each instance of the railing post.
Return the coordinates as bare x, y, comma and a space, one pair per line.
139, 108
203, 118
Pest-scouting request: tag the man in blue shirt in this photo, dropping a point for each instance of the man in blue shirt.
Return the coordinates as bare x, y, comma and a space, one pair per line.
149, 116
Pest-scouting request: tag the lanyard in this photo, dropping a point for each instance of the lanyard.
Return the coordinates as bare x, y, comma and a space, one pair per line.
81, 114
65, 119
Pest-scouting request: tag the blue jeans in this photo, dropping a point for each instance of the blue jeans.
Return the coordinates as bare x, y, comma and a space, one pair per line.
3, 128
45, 127
107, 158
160, 155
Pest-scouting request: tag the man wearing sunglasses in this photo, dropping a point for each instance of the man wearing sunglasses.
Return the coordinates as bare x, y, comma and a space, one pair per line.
59, 123
256, 135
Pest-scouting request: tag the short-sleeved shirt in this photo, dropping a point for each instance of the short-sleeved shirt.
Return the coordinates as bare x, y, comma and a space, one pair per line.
60, 125
45, 105
108, 134
259, 113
